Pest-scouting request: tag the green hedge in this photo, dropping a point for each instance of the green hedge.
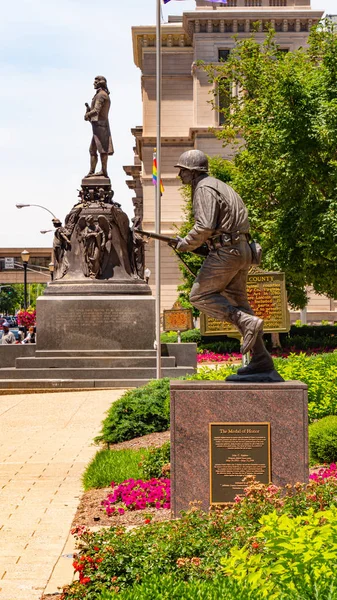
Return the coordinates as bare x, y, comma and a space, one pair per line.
323, 440
146, 409
305, 337
138, 412
171, 337
319, 372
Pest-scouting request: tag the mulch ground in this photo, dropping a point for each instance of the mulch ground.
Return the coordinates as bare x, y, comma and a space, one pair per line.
90, 512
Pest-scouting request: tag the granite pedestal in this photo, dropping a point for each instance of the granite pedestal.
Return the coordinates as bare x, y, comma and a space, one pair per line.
111, 322
196, 404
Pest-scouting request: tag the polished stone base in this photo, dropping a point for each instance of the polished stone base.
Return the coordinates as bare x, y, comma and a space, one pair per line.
116, 322
97, 287
196, 404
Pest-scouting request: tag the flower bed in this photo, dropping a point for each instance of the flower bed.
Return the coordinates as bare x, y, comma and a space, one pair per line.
205, 356
194, 547
324, 473
208, 356
138, 495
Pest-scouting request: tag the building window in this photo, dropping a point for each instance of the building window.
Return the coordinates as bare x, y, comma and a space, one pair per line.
223, 55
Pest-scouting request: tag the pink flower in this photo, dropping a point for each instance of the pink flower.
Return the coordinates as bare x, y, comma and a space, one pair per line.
137, 495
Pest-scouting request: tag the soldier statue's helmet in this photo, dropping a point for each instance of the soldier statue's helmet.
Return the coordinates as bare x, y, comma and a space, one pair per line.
193, 160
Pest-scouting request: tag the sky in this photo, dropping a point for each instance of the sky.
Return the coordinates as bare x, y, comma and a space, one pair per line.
50, 52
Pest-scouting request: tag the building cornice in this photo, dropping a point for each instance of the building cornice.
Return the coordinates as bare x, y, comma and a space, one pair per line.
232, 20
173, 36
36, 252
240, 20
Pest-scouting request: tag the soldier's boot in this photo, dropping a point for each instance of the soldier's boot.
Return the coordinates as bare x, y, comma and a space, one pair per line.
249, 327
261, 361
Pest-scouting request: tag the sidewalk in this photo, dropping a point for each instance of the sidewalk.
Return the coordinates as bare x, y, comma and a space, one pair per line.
45, 444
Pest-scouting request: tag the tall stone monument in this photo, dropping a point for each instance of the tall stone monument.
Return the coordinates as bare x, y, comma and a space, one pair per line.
98, 299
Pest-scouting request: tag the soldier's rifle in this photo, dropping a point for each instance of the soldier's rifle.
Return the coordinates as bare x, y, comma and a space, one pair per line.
168, 240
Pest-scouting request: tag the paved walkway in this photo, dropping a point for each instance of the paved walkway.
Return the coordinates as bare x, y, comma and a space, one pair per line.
45, 444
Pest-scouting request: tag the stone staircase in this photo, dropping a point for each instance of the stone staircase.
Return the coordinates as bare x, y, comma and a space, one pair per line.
76, 369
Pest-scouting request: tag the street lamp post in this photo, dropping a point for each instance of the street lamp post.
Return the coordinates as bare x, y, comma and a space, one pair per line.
25, 259
38, 205
51, 269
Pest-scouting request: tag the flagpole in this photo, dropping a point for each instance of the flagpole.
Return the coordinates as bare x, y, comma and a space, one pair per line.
157, 188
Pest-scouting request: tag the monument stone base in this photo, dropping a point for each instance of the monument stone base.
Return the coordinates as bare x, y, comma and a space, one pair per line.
197, 404
110, 322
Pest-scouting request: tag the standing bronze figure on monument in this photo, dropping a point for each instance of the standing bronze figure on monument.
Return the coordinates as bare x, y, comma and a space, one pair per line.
98, 114
220, 288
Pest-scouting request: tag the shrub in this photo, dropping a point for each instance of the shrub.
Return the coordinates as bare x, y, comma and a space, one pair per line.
192, 335
319, 372
146, 409
155, 462
190, 548
138, 412
167, 587
295, 555
323, 440
113, 465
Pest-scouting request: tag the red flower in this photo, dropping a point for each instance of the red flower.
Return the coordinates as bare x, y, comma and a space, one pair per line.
255, 545
147, 521
85, 580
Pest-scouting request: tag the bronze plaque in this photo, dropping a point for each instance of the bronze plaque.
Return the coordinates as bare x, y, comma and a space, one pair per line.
267, 296
237, 450
178, 319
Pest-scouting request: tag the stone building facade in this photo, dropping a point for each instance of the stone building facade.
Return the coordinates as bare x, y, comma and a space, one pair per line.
203, 34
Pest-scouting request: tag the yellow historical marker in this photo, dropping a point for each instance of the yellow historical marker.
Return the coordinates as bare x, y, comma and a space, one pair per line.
268, 298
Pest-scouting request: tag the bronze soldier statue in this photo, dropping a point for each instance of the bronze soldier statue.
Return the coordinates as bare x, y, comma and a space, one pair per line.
97, 114
220, 288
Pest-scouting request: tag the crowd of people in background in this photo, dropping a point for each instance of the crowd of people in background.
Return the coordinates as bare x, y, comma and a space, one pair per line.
24, 336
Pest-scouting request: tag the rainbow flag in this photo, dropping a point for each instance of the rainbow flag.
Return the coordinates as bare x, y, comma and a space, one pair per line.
154, 173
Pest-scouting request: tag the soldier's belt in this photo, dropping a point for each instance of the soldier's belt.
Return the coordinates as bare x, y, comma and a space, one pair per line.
227, 239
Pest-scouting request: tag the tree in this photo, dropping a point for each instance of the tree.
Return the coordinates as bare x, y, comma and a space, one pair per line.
284, 122
34, 291
10, 299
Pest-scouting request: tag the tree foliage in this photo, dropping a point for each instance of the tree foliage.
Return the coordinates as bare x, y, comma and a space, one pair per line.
12, 296
283, 120
10, 299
